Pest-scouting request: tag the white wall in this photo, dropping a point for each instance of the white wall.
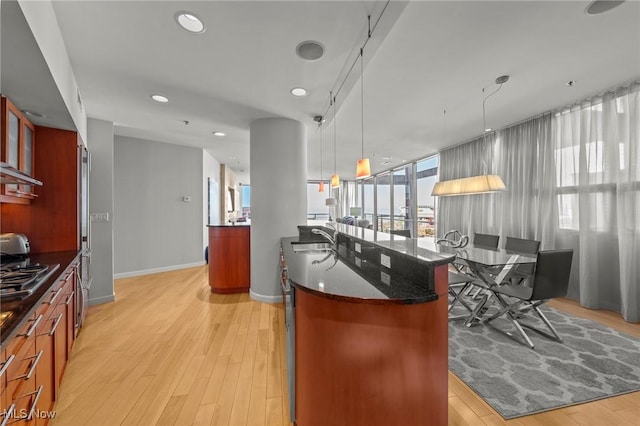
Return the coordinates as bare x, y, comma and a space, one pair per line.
44, 25
155, 230
210, 169
100, 145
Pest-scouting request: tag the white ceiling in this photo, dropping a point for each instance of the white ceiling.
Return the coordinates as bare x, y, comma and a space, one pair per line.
424, 57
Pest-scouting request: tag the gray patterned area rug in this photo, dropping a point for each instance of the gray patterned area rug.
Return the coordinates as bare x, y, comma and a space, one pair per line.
594, 362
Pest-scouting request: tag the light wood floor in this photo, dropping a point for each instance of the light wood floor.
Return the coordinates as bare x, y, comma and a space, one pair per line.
167, 351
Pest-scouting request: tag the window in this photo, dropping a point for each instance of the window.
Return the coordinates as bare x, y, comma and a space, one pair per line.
426, 177
316, 207
383, 198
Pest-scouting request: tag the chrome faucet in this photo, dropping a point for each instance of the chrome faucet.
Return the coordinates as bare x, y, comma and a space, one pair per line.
330, 238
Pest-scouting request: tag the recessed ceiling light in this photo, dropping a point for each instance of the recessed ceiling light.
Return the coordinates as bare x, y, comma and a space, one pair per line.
190, 22
298, 91
488, 129
219, 134
601, 6
160, 98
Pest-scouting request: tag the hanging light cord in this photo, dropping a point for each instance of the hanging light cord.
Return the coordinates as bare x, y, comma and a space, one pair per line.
321, 143
333, 102
362, 96
484, 124
369, 34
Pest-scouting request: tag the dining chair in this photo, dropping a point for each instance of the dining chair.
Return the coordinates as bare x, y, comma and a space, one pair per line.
486, 240
458, 284
550, 280
402, 232
522, 245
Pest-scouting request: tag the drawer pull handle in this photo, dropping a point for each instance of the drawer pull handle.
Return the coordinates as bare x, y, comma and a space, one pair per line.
6, 364
8, 414
70, 298
32, 410
53, 328
33, 327
33, 366
55, 296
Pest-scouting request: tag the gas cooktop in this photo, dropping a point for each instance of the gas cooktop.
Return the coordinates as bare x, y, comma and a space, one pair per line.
19, 279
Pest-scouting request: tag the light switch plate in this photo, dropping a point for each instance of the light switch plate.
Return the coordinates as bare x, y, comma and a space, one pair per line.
385, 278
358, 262
99, 217
358, 248
385, 260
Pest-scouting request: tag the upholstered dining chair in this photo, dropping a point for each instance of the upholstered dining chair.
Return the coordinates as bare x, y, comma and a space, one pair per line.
550, 280
486, 240
522, 245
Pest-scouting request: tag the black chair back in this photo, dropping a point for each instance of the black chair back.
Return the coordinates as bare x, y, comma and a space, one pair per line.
522, 245
551, 277
486, 240
402, 232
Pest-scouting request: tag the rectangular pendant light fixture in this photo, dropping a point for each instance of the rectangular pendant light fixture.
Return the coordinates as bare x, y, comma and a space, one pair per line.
482, 184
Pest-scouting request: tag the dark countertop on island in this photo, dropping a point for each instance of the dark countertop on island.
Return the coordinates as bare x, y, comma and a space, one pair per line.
357, 276
14, 313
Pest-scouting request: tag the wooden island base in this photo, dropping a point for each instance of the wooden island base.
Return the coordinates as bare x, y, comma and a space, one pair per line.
371, 364
229, 259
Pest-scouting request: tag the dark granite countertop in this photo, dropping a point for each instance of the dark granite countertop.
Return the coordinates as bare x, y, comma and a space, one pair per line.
14, 313
355, 274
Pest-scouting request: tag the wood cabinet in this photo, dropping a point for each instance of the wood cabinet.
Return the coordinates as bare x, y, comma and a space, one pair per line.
36, 358
18, 150
52, 222
229, 259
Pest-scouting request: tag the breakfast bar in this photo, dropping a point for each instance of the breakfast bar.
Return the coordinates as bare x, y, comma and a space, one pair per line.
368, 330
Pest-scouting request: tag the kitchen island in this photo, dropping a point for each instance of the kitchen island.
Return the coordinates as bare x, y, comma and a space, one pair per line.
367, 330
229, 258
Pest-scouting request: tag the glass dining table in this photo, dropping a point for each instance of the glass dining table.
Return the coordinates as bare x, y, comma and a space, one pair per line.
490, 267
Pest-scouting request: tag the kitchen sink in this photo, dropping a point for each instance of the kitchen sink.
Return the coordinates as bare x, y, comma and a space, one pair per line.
311, 247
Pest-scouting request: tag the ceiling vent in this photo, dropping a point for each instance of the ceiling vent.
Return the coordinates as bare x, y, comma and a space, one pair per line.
310, 50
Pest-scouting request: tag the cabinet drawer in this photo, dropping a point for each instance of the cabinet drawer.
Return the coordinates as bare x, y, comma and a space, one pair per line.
21, 373
26, 333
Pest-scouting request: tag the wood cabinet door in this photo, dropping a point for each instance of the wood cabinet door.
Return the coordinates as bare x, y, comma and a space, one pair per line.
45, 369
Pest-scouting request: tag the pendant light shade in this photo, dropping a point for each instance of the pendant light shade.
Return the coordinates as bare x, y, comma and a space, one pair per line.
363, 168
482, 184
335, 181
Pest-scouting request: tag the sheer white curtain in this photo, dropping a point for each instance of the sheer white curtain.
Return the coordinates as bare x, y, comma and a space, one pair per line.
469, 213
598, 183
573, 181
523, 156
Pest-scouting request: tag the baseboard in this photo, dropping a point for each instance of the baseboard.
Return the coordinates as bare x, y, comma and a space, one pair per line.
265, 299
157, 270
101, 300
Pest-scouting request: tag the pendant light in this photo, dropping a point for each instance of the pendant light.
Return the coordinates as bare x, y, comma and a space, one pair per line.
321, 183
481, 184
335, 179
363, 168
